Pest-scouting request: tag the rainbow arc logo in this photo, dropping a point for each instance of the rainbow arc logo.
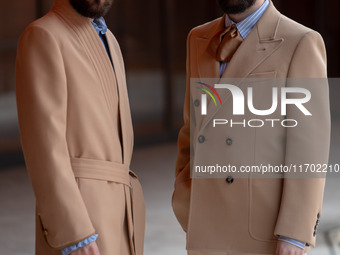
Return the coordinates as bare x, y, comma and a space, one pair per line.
204, 96
209, 93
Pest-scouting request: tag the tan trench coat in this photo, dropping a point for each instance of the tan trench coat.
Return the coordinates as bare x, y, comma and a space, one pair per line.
77, 136
247, 215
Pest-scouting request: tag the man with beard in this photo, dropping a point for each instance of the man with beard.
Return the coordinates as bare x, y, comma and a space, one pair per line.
76, 133
231, 215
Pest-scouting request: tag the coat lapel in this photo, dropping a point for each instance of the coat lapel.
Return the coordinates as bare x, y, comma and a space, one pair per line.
124, 106
207, 65
108, 77
257, 47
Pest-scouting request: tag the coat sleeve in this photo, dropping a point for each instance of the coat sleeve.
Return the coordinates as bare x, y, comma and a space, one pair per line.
308, 143
181, 195
41, 90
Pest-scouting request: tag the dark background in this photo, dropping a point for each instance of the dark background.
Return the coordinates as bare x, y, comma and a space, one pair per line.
152, 35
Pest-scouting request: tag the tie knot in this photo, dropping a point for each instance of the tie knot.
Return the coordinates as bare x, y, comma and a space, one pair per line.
233, 31
225, 43
100, 25
233, 26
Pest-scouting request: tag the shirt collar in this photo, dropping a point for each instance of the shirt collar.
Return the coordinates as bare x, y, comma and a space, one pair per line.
246, 25
99, 25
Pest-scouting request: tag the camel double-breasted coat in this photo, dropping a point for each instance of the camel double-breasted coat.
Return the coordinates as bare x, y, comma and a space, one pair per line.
247, 215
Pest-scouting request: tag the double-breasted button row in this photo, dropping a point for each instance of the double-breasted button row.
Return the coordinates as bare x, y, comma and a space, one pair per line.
201, 139
229, 141
197, 103
229, 179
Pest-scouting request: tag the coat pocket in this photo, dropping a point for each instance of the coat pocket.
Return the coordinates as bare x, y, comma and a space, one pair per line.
265, 199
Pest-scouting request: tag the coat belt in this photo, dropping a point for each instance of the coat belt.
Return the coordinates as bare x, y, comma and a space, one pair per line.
100, 170
115, 172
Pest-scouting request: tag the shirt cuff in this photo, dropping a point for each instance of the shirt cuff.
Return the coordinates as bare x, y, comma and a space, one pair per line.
297, 243
73, 247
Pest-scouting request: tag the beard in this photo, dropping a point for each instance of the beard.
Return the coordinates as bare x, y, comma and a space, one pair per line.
92, 8
235, 6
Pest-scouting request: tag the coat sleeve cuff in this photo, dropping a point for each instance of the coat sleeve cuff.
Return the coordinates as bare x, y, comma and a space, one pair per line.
297, 243
67, 250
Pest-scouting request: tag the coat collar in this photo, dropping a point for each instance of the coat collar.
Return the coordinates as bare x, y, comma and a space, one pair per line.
108, 75
254, 48
261, 42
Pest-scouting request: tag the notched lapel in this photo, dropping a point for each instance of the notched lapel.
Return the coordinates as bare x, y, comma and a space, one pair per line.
204, 66
207, 65
250, 55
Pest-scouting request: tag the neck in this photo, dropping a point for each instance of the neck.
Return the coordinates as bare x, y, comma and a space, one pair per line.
65, 7
241, 16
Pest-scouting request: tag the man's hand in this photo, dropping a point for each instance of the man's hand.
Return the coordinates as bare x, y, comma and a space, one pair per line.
91, 249
284, 248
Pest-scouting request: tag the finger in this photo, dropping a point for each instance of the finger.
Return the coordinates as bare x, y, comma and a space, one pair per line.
94, 249
299, 252
278, 248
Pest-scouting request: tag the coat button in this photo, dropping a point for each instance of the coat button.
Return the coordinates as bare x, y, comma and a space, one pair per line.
229, 141
318, 216
230, 179
197, 103
201, 139
314, 234
45, 232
